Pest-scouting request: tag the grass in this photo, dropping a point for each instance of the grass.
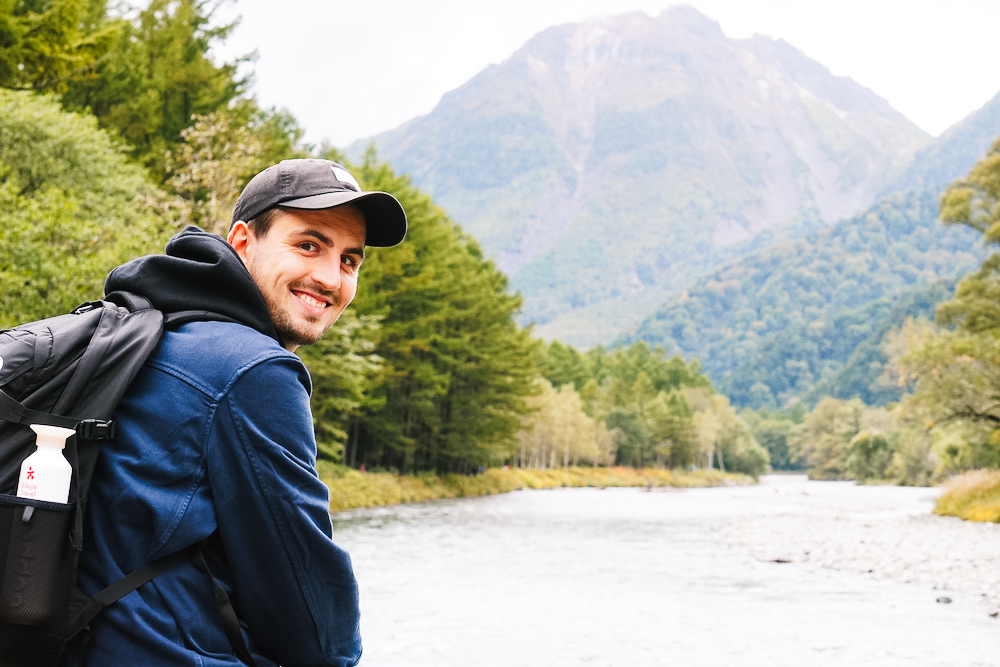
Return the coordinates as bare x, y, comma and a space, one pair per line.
974, 496
350, 488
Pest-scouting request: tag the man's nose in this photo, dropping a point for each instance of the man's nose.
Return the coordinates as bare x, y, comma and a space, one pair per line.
327, 275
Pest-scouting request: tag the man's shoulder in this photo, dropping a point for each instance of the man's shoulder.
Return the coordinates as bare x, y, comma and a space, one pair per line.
216, 352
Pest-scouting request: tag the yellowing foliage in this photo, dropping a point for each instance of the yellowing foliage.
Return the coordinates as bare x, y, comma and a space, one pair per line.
351, 488
973, 496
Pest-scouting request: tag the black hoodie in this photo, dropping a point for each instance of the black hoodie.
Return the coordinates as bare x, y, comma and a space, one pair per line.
200, 271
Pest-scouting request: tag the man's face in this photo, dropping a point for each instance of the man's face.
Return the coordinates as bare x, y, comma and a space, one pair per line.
306, 267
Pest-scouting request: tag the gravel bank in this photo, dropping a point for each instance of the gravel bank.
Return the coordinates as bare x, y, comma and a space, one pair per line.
884, 532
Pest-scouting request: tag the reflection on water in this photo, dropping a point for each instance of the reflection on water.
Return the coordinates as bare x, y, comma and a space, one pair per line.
628, 577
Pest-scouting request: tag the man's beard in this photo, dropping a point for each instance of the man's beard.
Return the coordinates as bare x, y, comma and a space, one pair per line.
292, 331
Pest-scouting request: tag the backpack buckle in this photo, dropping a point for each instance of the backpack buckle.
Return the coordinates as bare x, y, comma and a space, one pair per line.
95, 429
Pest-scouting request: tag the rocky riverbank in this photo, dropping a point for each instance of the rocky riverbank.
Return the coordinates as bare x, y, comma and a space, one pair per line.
876, 531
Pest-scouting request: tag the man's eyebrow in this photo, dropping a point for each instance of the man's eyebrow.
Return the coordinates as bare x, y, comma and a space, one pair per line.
316, 234
325, 240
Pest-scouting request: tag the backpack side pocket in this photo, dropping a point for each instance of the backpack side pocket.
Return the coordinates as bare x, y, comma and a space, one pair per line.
36, 564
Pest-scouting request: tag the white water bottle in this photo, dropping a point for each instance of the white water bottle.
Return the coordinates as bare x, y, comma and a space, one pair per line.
46, 474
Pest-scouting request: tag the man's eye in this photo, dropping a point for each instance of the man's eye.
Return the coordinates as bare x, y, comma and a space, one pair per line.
350, 261
308, 246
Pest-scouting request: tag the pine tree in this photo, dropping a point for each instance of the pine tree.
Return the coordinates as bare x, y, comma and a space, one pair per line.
157, 77
457, 368
44, 44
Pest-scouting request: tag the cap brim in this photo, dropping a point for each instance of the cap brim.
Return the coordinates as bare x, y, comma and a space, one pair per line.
385, 219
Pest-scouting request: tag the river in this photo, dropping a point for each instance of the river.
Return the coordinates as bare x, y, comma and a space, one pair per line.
787, 572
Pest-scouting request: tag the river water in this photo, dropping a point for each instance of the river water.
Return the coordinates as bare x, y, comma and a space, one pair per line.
628, 577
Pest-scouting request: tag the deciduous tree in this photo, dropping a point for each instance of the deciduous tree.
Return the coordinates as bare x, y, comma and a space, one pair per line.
72, 206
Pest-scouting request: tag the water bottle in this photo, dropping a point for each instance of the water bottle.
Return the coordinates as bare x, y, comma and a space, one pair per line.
46, 474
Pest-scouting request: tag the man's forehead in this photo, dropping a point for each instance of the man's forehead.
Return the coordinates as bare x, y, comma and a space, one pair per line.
345, 218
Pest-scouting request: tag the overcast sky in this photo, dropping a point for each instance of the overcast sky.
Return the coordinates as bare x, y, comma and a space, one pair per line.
348, 70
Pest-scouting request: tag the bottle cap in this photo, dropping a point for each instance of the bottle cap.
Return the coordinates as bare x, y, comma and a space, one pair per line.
52, 436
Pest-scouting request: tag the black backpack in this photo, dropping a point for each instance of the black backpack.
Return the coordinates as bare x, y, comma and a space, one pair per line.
70, 371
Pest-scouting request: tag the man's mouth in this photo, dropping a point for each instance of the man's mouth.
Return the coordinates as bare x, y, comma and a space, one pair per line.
310, 300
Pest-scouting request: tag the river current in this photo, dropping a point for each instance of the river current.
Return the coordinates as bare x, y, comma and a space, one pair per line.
629, 577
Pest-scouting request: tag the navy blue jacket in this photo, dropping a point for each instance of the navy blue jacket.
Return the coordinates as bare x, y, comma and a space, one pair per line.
215, 436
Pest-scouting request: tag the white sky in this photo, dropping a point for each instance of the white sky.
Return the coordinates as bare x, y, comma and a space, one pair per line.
351, 69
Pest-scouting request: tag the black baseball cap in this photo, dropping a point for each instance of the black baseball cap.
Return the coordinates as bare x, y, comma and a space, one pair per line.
311, 183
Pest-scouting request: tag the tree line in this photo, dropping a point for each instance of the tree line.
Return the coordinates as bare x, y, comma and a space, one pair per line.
945, 366
117, 129
645, 408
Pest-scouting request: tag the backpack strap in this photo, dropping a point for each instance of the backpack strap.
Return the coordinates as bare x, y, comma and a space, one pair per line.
230, 622
194, 553
133, 302
119, 589
13, 410
180, 317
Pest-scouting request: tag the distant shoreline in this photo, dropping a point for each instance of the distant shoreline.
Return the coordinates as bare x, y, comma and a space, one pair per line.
351, 489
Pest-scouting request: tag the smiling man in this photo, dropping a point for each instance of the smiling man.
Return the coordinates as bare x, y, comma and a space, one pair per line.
306, 267
215, 455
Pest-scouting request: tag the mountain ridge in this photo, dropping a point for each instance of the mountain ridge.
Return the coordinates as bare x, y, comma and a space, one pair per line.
932, 253
606, 164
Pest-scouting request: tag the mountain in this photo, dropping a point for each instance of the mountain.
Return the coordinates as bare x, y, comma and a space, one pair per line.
806, 318
608, 164
953, 154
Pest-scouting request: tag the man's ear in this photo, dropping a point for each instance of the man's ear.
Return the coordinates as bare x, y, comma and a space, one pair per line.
240, 237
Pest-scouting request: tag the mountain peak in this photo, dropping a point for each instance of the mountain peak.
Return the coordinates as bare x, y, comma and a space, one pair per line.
606, 163
691, 20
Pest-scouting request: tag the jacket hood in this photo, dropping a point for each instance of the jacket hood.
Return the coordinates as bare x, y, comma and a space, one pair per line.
200, 271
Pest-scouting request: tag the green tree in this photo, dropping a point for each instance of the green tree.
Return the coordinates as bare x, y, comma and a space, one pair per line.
73, 207
913, 462
157, 77
344, 371
46, 43
631, 435
975, 202
821, 441
724, 439
672, 429
868, 455
457, 368
951, 419
220, 153
209, 166
559, 433
563, 364
955, 372
772, 434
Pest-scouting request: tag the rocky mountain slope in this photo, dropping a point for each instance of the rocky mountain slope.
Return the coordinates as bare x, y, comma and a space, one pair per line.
607, 165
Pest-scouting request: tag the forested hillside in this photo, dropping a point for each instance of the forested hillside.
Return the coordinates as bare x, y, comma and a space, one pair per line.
607, 164
771, 326
807, 318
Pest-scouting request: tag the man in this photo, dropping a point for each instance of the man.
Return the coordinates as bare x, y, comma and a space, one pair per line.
215, 438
